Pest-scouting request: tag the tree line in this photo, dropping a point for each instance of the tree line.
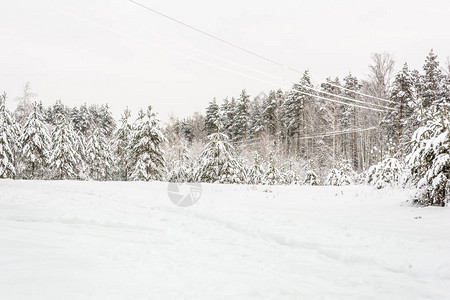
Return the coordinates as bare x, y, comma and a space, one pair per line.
282, 137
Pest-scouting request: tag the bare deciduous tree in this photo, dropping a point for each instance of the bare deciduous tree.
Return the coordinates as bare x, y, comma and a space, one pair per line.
380, 76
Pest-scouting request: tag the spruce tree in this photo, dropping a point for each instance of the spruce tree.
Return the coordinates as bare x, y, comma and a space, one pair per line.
403, 95
64, 159
147, 161
99, 156
430, 158
218, 161
7, 141
35, 141
255, 172
241, 121
212, 117
121, 146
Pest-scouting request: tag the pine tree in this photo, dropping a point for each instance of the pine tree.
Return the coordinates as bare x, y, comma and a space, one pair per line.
35, 141
147, 161
311, 178
403, 95
99, 156
333, 178
386, 173
7, 144
272, 175
218, 161
212, 117
64, 158
430, 158
121, 146
431, 83
255, 172
180, 168
294, 110
241, 121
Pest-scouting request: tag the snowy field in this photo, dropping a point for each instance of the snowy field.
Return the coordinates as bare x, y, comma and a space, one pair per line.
126, 240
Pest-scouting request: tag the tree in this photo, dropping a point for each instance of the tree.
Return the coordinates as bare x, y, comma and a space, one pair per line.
24, 105
121, 146
64, 158
379, 79
255, 172
241, 121
212, 117
403, 96
99, 155
7, 144
294, 112
311, 178
272, 175
430, 158
218, 161
387, 172
147, 161
431, 83
35, 141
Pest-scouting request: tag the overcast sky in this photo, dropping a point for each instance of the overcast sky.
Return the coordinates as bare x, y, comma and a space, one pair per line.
99, 51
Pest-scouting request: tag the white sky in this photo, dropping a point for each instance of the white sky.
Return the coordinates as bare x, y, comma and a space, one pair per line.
113, 51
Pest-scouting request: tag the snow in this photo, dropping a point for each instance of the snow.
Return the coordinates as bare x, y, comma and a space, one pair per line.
126, 240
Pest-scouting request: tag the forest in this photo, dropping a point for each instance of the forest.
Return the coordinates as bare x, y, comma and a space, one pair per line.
330, 134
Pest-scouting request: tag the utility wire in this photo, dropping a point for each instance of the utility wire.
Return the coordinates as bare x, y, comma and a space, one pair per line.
239, 47
206, 62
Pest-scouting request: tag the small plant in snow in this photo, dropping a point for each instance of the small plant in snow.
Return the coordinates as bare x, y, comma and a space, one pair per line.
311, 178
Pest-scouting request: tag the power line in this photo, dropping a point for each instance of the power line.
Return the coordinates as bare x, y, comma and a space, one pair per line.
238, 47
338, 133
208, 63
359, 93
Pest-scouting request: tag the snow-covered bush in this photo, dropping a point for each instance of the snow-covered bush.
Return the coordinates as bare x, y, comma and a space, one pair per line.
387, 172
255, 172
430, 159
344, 176
218, 162
272, 175
311, 178
333, 177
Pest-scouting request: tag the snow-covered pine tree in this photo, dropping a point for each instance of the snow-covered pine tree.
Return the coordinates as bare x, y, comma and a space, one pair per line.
403, 94
212, 117
8, 137
99, 156
272, 175
311, 178
430, 158
387, 172
180, 167
121, 145
346, 173
256, 124
294, 112
35, 142
255, 172
147, 160
218, 162
431, 82
64, 159
227, 111
333, 177
241, 121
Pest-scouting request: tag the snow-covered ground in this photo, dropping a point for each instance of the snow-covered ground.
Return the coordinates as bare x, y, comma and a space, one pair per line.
126, 240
